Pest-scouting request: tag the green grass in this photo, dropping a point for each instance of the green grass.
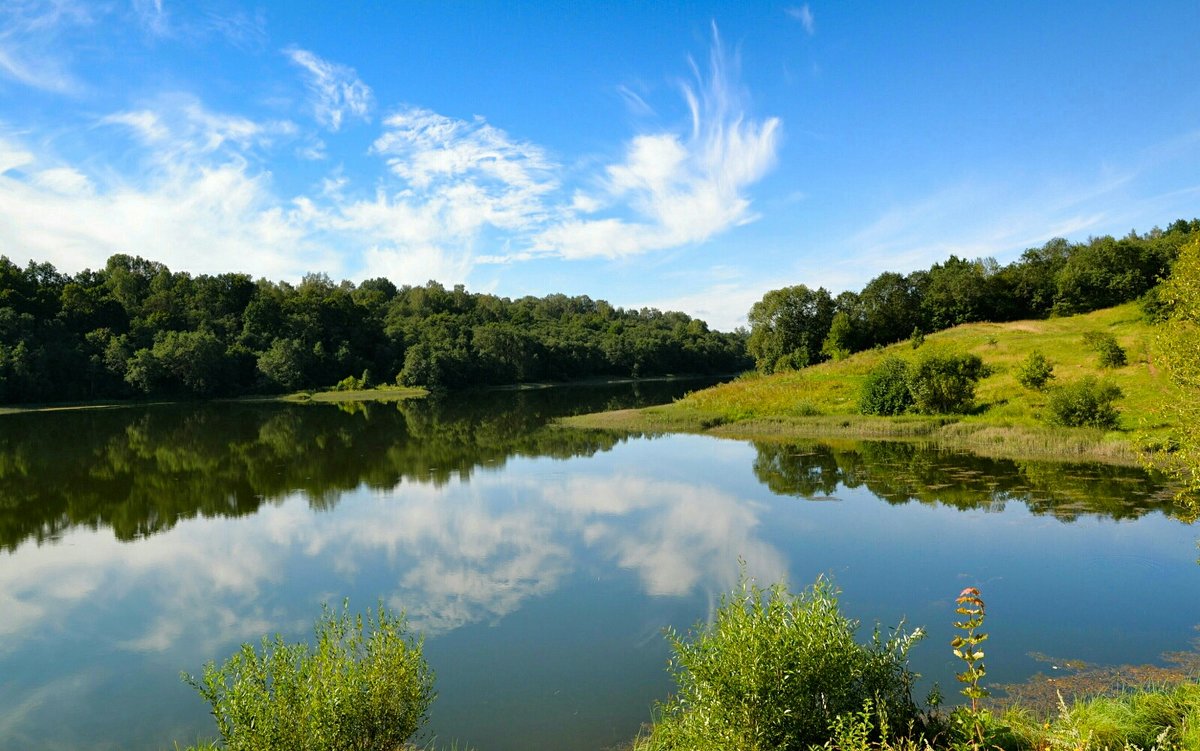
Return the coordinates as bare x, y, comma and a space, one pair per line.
381, 394
1009, 419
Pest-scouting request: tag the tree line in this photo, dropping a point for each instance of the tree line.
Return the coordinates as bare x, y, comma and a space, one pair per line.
137, 329
797, 326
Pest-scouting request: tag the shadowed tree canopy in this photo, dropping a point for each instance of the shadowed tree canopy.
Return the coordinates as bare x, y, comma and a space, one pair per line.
134, 328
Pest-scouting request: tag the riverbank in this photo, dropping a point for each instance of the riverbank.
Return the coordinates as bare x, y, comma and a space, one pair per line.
378, 394
1008, 420
382, 394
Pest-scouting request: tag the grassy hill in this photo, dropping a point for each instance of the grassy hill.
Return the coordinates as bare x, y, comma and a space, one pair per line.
821, 401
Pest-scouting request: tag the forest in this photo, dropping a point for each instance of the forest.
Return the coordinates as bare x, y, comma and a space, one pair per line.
796, 326
135, 329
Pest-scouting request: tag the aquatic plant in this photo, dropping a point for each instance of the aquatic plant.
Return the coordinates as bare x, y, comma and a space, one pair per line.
364, 686
776, 670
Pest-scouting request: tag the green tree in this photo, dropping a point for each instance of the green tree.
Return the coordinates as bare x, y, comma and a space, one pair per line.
839, 343
788, 326
1035, 371
1177, 347
957, 291
890, 308
284, 364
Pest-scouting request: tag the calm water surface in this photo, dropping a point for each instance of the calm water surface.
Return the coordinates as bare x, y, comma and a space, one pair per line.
541, 563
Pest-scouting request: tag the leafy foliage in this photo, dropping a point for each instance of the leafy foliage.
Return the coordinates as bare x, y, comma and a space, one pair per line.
788, 327
1084, 403
966, 647
1109, 352
885, 390
1059, 277
945, 383
1177, 347
363, 686
776, 671
135, 328
1035, 371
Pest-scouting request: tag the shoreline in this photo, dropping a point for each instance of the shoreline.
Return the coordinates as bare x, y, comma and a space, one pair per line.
994, 440
381, 394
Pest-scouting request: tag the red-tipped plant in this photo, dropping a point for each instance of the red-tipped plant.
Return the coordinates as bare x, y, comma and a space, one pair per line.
967, 648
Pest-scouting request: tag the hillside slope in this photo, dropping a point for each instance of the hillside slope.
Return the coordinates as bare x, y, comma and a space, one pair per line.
822, 401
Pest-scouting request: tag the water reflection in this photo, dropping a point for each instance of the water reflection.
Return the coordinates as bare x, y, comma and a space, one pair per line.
541, 562
900, 473
138, 471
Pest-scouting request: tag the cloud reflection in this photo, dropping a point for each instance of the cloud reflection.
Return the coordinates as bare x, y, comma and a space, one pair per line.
449, 556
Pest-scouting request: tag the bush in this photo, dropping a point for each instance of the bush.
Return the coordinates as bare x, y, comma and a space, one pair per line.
777, 670
885, 392
1105, 345
1085, 403
364, 686
917, 338
1035, 371
943, 384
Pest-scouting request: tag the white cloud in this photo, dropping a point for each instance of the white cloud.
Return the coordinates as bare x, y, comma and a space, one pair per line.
64, 180
151, 16
456, 183
723, 305
13, 157
804, 15
31, 51
196, 204
672, 189
336, 89
239, 28
452, 194
181, 130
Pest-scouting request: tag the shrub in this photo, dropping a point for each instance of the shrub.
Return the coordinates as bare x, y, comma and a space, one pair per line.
364, 686
777, 670
917, 338
1105, 346
1085, 403
885, 392
943, 384
1035, 371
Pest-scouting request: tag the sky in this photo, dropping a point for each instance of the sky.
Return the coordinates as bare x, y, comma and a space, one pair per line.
679, 155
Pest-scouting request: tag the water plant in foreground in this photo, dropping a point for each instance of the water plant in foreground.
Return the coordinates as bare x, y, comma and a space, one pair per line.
363, 685
966, 647
776, 670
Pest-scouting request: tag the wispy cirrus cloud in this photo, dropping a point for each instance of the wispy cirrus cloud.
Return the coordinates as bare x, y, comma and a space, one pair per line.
152, 16
337, 92
450, 193
453, 182
804, 15
31, 31
674, 189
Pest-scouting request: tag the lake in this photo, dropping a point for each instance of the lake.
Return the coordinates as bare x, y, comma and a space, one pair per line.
541, 563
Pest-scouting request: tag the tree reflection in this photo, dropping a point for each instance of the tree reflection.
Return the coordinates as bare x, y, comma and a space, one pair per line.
139, 471
900, 473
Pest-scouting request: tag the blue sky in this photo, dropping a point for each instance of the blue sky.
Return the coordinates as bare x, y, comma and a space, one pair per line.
681, 155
